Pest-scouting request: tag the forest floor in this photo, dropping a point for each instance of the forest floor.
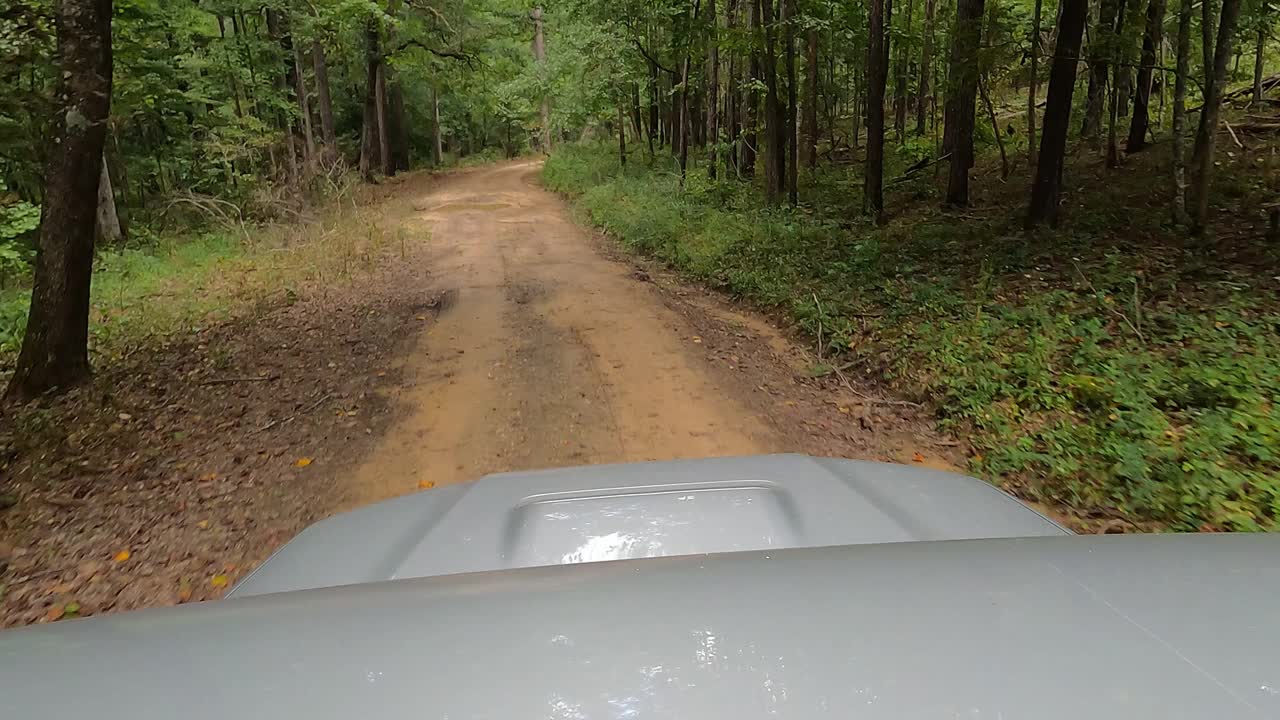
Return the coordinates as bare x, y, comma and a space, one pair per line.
498, 335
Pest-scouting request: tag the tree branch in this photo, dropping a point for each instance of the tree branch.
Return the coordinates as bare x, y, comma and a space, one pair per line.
470, 60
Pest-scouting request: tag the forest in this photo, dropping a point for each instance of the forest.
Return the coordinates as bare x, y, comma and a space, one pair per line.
1053, 223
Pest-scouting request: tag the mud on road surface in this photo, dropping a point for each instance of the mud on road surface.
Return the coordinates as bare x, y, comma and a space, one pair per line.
550, 352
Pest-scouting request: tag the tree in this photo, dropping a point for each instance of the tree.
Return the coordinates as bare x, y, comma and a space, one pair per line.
1033, 82
1206, 134
775, 161
1152, 37
713, 89
926, 66
792, 164
1100, 47
962, 90
1180, 111
55, 348
810, 130
877, 77
1057, 115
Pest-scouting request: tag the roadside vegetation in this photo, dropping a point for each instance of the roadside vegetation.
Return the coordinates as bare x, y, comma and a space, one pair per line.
1115, 367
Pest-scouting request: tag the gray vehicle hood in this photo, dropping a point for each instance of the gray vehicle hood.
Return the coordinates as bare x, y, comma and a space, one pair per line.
617, 512
1104, 628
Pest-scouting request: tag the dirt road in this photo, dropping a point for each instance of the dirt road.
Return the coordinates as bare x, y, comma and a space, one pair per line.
545, 353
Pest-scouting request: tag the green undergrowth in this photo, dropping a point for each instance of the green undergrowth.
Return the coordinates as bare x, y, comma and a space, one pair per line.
185, 282
1113, 367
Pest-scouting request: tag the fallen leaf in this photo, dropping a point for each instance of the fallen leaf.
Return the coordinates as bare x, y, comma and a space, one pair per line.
917, 457
843, 409
55, 613
209, 477
303, 462
203, 524
125, 416
122, 556
71, 608
697, 339
218, 581
426, 484
184, 591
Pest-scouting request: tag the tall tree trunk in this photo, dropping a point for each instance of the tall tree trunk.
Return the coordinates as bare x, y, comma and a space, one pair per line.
55, 348
1180, 112
713, 89
622, 137
962, 91
325, 102
1206, 40
811, 101
1258, 51
776, 157
304, 106
437, 139
1057, 114
370, 142
787, 9
1033, 83
397, 123
684, 118
1118, 92
1099, 53
380, 112
900, 84
1151, 41
109, 232
540, 57
926, 66
732, 103
1207, 133
285, 83
877, 77
750, 102
655, 124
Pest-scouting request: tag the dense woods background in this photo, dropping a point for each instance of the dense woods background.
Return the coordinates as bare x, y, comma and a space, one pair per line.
888, 173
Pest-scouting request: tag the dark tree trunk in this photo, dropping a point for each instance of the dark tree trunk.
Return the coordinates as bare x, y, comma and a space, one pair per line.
811, 101
397, 125
1057, 115
962, 91
684, 119
926, 65
1206, 39
877, 77
1206, 134
713, 90
285, 83
1099, 67
900, 84
622, 137
751, 103
380, 110
55, 348
776, 157
1259, 50
370, 141
1151, 40
732, 102
324, 101
1033, 83
304, 106
1180, 112
655, 124
787, 8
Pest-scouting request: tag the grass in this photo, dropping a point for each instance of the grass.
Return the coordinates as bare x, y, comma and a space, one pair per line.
184, 282
1116, 367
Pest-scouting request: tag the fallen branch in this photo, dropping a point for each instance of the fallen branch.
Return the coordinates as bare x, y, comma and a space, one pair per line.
228, 380
291, 418
1233, 134
917, 168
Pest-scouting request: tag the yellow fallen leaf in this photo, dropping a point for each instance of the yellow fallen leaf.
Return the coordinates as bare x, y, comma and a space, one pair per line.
184, 592
121, 556
426, 484
203, 524
218, 581
843, 409
303, 462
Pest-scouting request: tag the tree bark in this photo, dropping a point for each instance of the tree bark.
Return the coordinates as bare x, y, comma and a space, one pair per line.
1258, 51
877, 77
1057, 115
1099, 53
437, 141
776, 157
1119, 89
1206, 40
732, 101
370, 141
380, 113
304, 106
684, 118
1151, 41
325, 102
397, 124
1206, 134
1180, 112
55, 348
713, 89
926, 66
751, 103
962, 91
622, 137
900, 84
1033, 83
655, 124
284, 84
811, 101
540, 57
788, 30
